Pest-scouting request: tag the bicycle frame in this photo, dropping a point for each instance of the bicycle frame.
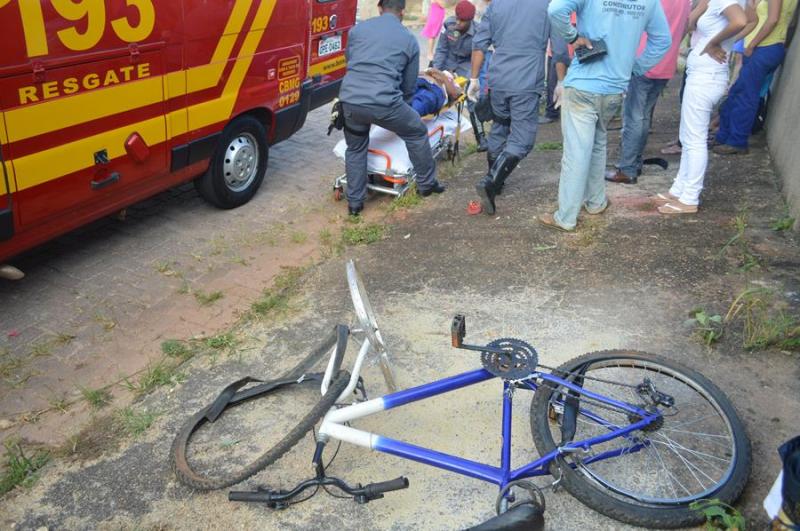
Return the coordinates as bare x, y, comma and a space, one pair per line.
333, 425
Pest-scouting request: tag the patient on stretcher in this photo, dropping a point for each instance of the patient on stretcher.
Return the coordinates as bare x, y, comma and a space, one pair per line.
435, 90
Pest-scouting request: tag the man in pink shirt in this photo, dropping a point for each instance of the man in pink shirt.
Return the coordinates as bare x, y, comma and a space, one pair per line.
642, 94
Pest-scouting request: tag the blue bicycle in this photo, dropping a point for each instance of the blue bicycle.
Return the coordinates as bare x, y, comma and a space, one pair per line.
632, 435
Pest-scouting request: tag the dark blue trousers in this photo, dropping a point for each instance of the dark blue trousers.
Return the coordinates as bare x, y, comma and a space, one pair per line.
739, 111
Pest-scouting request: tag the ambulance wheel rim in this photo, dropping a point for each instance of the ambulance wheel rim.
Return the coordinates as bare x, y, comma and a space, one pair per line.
240, 165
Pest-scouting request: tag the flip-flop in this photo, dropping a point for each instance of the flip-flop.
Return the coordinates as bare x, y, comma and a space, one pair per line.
549, 221
665, 197
677, 208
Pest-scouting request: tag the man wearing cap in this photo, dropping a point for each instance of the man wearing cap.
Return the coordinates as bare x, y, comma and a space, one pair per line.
454, 54
519, 31
382, 69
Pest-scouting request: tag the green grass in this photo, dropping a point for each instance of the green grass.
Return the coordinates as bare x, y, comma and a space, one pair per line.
784, 223
222, 341
59, 403
97, 398
709, 328
363, 234
207, 299
175, 348
408, 200
156, 375
765, 325
299, 237
135, 423
19, 469
549, 146
276, 299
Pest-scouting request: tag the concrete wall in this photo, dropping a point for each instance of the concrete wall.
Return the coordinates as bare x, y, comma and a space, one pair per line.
783, 128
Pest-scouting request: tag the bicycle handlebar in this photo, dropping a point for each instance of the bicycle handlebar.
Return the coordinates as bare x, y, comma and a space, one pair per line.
374, 490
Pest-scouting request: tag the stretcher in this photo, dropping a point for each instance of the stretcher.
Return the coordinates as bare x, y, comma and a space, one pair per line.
388, 166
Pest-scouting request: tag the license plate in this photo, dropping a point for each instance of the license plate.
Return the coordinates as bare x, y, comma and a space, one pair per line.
330, 45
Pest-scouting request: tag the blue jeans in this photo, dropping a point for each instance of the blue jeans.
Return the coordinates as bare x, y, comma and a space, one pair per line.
739, 111
584, 126
639, 104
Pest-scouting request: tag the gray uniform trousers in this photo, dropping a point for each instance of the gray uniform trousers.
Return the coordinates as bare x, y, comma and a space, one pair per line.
402, 120
515, 124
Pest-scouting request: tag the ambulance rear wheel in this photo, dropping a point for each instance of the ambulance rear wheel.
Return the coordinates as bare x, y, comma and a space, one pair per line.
238, 165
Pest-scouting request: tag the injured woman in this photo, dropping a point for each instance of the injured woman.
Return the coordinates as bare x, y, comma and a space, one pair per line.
435, 90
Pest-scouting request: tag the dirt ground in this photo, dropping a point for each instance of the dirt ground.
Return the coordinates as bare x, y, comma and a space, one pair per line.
626, 279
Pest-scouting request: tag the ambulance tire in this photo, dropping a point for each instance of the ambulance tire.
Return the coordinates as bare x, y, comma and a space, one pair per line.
244, 137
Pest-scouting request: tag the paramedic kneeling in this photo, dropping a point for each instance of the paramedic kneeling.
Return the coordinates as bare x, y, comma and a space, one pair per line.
382, 69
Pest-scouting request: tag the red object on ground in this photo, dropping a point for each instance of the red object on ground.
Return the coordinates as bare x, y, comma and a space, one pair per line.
473, 208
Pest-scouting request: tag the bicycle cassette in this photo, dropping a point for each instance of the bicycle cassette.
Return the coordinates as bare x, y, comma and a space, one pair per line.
518, 360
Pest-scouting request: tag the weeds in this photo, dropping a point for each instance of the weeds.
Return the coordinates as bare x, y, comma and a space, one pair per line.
299, 237
748, 259
363, 234
764, 326
135, 423
277, 298
407, 200
719, 515
784, 223
156, 375
207, 299
59, 403
549, 146
19, 469
176, 349
97, 398
709, 328
222, 342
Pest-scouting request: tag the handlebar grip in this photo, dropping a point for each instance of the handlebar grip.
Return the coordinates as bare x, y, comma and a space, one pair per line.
374, 489
249, 496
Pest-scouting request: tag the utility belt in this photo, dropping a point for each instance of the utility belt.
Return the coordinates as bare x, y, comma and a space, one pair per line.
338, 122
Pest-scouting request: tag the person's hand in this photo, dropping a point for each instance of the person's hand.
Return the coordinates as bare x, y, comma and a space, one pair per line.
557, 94
748, 51
716, 52
582, 42
473, 90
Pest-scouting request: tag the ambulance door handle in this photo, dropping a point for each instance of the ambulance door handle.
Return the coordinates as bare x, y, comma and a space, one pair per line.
111, 179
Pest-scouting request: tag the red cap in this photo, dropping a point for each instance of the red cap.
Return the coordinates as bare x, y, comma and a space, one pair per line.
465, 10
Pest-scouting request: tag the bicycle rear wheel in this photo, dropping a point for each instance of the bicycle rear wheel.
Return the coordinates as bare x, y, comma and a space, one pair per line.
220, 454
699, 450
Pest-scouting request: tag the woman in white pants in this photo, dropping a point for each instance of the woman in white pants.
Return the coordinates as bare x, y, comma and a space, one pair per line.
716, 25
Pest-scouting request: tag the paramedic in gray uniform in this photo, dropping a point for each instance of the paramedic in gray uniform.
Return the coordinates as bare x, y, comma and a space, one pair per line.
518, 30
454, 54
382, 69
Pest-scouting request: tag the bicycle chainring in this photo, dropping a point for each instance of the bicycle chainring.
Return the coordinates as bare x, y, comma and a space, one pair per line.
518, 360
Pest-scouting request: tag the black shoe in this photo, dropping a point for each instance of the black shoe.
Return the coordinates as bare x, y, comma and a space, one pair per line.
616, 176
493, 181
354, 210
480, 134
437, 188
483, 145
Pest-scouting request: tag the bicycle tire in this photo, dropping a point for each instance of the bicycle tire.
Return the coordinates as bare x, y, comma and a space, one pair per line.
188, 476
596, 496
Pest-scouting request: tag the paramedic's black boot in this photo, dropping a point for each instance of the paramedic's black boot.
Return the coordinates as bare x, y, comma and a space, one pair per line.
489, 159
487, 187
480, 134
437, 188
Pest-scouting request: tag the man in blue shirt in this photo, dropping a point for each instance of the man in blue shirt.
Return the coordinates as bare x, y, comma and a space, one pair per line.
382, 69
593, 91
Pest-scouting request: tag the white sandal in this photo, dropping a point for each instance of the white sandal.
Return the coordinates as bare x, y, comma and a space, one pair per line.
666, 197
676, 207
